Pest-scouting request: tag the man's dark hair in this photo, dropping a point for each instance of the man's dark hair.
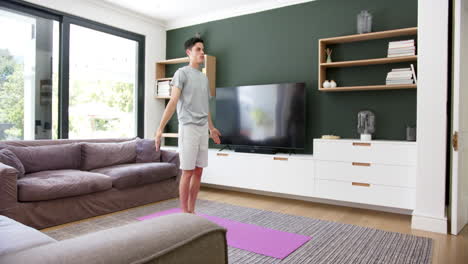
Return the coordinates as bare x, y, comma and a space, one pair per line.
191, 42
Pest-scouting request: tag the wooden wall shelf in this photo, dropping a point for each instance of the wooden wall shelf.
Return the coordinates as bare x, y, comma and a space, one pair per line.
368, 88
170, 135
371, 36
369, 62
175, 61
164, 79
323, 65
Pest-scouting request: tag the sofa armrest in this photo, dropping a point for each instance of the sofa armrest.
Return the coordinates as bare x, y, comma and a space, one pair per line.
8, 187
171, 157
177, 238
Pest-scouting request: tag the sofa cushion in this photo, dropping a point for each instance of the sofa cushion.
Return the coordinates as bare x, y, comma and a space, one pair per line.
53, 184
130, 175
99, 155
9, 158
15, 236
54, 157
146, 151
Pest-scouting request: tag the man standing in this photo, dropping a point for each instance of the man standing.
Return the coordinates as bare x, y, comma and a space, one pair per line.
190, 93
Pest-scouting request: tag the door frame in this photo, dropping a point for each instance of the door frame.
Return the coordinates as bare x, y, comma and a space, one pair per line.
455, 121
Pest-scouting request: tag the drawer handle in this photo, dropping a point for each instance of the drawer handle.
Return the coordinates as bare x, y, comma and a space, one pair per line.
280, 158
361, 184
361, 144
364, 164
222, 154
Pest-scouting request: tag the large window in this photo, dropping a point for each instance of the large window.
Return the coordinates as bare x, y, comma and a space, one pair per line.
27, 73
103, 70
62, 76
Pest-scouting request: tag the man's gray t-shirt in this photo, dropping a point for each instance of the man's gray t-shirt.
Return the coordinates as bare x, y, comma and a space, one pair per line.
193, 104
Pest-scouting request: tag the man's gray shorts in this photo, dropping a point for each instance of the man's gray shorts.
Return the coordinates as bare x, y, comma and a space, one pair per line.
193, 146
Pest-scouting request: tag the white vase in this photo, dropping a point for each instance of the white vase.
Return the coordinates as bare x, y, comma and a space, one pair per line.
326, 84
332, 84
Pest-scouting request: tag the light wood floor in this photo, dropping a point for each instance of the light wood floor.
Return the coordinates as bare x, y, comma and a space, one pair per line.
448, 249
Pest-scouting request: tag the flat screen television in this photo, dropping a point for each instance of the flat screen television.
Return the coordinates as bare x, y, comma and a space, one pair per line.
256, 117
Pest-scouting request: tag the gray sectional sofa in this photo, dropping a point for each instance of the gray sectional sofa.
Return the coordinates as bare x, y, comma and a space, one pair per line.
171, 239
52, 182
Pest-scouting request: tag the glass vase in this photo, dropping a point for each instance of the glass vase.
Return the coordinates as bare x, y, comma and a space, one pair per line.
364, 22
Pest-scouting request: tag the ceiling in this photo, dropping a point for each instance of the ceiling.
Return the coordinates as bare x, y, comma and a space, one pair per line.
181, 13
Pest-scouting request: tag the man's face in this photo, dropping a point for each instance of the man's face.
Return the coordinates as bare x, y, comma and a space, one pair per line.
197, 53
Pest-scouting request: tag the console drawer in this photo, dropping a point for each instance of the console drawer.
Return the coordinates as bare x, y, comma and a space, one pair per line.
381, 174
365, 193
359, 151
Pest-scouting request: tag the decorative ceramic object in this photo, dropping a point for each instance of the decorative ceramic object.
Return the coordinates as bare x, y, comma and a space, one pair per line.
328, 52
366, 124
326, 84
332, 84
364, 22
410, 133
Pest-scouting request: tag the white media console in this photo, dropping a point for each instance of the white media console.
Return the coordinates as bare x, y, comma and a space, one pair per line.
376, 173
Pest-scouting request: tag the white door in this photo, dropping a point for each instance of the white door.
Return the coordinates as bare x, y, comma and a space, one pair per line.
459, 179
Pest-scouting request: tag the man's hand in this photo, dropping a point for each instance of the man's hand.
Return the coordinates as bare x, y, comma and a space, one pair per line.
157, 139
215, 134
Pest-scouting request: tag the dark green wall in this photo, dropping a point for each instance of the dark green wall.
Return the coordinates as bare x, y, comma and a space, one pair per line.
281, 45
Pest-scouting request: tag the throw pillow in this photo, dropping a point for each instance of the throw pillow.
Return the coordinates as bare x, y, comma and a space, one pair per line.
100, 155
48, 157
146, 151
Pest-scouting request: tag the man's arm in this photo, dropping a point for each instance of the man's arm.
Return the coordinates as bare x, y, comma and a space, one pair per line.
210, 122
214, 133
168, 112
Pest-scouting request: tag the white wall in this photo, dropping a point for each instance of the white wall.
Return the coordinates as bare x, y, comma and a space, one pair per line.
154, 31
429, 213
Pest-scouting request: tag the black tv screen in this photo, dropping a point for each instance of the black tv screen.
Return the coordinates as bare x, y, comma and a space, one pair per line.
269, 116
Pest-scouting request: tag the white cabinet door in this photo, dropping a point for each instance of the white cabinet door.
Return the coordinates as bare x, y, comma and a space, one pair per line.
261, 172
214, 173
234, 170
292, 176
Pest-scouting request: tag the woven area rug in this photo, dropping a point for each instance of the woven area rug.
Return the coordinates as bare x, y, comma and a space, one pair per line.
331, 242
254, 238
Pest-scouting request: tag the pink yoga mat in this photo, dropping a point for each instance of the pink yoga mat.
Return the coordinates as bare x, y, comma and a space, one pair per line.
258, 239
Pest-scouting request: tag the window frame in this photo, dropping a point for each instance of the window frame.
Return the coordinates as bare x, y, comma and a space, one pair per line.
65, 21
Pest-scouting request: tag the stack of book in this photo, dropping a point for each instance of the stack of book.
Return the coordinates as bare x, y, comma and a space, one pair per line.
401, 48
164, 88
401, 76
